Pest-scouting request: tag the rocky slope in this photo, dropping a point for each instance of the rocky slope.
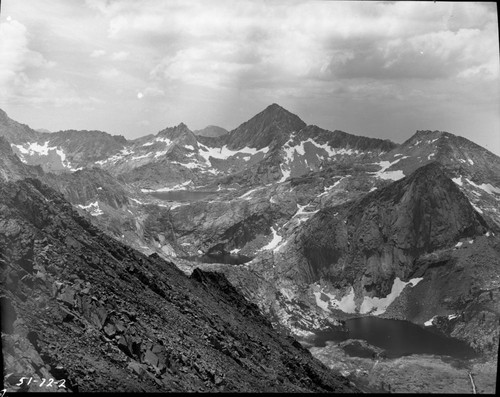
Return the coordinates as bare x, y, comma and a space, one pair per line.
80, 307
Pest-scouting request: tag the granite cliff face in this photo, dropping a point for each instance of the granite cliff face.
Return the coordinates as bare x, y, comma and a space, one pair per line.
379, 236
82, 307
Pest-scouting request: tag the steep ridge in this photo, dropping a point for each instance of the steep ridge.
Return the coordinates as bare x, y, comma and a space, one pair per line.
313, 148
473, 168
16, 132
84, 148
83, 308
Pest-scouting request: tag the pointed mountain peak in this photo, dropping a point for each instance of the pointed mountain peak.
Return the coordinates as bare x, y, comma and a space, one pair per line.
276, 110
179, 134
275, 106
273, 124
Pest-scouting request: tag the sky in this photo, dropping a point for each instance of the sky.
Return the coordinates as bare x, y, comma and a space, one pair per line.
129, 67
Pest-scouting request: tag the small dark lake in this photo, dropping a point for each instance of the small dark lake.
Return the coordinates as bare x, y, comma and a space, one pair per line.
183, 195
230, 259
397, 338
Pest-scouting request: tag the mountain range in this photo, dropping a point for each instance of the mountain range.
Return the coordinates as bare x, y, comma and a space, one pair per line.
325, 224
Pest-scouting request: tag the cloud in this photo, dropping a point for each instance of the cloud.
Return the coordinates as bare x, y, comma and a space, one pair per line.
216, 55
153, 92
97, 53
19, 66
443, 54
47, 92
120, 56
15, 54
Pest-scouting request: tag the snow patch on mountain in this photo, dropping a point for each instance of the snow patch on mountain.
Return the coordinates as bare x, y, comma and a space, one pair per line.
35, 149
327, 301
477, 208
300, 149
141, 156
113, 159
286, 174
301, 212
92, 208
224, 153
393, 175
487, 187
164, 140
327, 189
274, 242
379, 305
246, 196
191, 165
180, 186
458, 181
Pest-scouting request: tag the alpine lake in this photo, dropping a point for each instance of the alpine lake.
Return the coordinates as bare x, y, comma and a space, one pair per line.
384, 355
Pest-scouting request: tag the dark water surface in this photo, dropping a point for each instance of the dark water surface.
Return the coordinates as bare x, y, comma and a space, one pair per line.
398, 338
183, 195
230, 259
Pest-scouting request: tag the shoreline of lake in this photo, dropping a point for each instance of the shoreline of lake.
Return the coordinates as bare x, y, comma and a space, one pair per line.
416, 373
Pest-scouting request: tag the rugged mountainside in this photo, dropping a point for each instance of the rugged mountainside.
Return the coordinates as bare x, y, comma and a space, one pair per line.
175, 155
359, 256
81, 307
379, 236
335, 224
